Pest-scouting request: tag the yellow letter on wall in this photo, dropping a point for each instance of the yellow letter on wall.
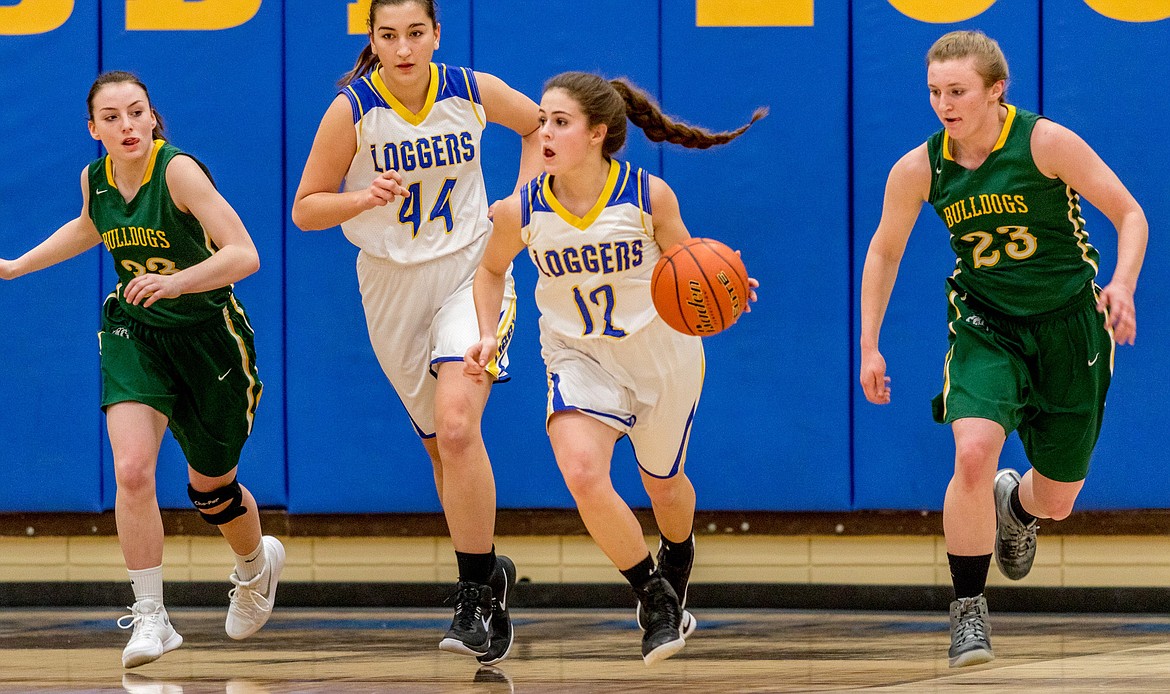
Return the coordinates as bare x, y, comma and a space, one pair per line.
754, 13
34, 16
359, 14
179, 15
1132, 10
944, 12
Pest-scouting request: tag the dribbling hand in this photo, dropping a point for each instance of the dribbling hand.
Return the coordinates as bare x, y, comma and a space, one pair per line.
874, 380
384, 189
478, 355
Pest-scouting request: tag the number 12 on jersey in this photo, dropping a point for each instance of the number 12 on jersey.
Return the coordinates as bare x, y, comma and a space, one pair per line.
604, 293
410, 211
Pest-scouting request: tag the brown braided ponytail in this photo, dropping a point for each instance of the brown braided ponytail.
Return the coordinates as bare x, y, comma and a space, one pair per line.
613, 102
366, 60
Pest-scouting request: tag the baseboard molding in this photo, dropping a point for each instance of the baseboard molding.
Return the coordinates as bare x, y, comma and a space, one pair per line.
608, 595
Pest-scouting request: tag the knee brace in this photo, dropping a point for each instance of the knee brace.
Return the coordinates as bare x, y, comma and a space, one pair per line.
229, 494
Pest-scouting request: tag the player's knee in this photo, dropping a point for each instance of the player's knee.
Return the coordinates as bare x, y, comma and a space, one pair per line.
1056, 509
975, 462
666, 490
456, 431
583, 479
219, 506
134, 474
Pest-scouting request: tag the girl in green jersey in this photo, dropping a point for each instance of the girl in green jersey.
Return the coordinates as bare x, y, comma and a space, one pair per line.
176, 351
1031, 335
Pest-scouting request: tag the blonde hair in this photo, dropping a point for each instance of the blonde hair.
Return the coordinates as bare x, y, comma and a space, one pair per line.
990, 62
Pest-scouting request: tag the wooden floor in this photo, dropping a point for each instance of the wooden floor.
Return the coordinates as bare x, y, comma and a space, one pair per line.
71, 650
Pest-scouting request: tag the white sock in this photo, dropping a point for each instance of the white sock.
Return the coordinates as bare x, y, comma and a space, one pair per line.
249, 566
147, 584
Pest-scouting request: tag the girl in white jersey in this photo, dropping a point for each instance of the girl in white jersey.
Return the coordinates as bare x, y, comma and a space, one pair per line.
402, 143
594, 227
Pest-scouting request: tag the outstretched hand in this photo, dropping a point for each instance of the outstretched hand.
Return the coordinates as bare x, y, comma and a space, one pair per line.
7, 269
1116, 302
478, 355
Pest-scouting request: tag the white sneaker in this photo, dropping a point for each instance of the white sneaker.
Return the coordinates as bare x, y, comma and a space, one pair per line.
153, 634
252, 600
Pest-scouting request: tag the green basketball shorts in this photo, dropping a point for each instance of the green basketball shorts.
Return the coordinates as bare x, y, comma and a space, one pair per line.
202, 377
1044, 376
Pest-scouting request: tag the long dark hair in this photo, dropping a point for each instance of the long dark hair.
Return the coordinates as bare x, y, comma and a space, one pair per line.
116, 77
614, 101
366, 60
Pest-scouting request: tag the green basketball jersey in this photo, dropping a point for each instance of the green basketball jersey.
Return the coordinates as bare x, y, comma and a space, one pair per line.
1020, 240
150, 234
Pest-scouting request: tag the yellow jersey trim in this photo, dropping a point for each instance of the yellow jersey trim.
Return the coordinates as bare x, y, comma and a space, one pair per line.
583, 223
474, 107
149, 166
1003, 134
408, 115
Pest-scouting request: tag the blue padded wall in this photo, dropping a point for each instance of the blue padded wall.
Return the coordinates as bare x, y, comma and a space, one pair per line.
775, 406
1108, 95
800, 195
50, 424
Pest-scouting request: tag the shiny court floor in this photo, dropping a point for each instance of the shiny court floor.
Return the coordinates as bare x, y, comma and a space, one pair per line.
350, 650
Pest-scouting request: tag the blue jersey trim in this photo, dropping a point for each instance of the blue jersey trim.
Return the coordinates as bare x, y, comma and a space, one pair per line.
559, 405
457, 82
681, 449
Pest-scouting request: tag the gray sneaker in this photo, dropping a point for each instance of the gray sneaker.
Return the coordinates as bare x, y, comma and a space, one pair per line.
1015, 543
970, 633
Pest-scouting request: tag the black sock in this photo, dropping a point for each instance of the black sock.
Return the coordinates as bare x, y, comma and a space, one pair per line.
476, 568
639, 574
680, 554
1018, 508
969, 574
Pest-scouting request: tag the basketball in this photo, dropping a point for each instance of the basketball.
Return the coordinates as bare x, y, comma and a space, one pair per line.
700, 287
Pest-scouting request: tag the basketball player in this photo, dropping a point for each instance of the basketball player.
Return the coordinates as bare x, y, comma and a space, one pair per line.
176, 351
594, 227
1029, 350
403, 136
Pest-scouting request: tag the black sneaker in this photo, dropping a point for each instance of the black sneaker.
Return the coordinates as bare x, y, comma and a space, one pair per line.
678, 577
501, 582
663, 636
471, 628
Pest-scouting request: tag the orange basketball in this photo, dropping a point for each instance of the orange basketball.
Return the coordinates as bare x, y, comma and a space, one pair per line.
700, 287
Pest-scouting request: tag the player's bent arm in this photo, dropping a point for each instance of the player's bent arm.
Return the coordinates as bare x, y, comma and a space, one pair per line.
1061, 153
907, 187
504, 244
504, 105
236, 257
73, 238
318, 204
669, 229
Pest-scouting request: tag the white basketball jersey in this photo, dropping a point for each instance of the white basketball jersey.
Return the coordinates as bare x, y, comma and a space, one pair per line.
437, 152
594, 271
